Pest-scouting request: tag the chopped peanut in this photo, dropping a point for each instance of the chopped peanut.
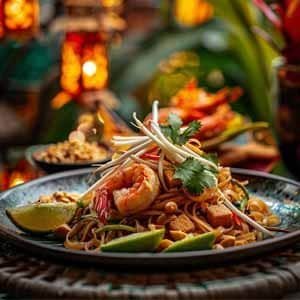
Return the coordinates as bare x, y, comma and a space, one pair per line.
240, 243
45, 199
177, 235
257, 205
171, 207
182, 223
165, 243
227, 241
273, 220
59, 196
219, 215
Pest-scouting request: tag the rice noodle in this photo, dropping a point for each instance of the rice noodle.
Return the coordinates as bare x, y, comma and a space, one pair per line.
171, 204
142, 161
84, 225
124, 156
161, 171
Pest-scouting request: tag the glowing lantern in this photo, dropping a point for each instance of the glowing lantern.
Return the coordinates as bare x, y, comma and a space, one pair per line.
112, 4
84, 65
1, 22
192, 12
19, 17
112, 18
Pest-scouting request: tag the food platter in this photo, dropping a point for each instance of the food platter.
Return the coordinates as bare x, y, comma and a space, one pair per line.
50, 168
282, 195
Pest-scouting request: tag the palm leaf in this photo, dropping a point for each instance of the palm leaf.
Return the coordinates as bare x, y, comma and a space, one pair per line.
253, 52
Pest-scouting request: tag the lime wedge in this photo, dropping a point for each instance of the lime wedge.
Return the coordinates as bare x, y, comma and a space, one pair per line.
41, 217
201, 242
136, 242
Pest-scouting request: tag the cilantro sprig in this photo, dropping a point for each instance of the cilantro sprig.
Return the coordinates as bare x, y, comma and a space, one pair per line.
193, 173
172, 130
195, 176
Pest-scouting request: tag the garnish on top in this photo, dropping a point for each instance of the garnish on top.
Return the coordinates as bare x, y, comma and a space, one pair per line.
172, 130
194, 175
195, 170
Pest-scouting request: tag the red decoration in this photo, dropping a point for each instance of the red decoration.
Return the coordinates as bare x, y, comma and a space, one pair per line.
21, 173
19, 17
84, 63
285, 15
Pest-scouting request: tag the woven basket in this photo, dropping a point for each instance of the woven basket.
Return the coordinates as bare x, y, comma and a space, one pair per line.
268, 277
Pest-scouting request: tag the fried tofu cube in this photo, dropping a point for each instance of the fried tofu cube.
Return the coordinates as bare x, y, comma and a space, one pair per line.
169, 177
219, 215
182, 223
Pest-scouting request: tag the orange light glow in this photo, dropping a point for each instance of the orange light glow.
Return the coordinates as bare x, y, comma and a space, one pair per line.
111, 3
1, 21
19, 15
70, 69
84, 63
60, 100
112, 126
16, 178
22, 172
95, 68
192, 12
89, 68
3, 180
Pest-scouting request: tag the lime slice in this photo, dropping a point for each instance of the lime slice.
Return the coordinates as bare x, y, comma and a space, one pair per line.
201, 242
136, 242
41, 217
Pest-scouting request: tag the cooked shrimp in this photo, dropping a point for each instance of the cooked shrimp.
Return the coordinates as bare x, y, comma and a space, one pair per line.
132, 189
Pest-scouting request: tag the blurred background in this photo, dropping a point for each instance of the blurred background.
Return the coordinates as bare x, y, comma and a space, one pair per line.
62, 59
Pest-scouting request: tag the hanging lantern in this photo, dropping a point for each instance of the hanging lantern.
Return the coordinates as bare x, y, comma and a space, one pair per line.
84, 63
84, 58
112, 18
19, 17
112, 4
192, 12
1, 22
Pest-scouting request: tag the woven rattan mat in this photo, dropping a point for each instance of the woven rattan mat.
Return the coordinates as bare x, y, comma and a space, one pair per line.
271, 276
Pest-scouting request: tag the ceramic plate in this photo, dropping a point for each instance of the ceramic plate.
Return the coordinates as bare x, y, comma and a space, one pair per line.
282, 195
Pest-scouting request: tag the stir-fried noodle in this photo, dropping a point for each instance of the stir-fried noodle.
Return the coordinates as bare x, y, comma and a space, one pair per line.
165, 181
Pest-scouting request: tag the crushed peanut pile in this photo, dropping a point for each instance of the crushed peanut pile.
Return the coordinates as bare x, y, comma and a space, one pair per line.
59, 196
72, 152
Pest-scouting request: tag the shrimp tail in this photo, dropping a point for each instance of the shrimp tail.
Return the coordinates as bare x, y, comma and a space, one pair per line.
102, 204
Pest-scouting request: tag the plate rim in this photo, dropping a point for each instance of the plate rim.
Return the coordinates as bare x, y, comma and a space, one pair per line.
145, 258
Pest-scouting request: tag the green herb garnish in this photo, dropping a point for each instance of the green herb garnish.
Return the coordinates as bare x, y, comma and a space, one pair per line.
195, 176
172, 130
213, 157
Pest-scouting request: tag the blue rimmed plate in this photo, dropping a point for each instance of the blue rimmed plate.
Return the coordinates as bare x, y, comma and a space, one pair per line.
282, 195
